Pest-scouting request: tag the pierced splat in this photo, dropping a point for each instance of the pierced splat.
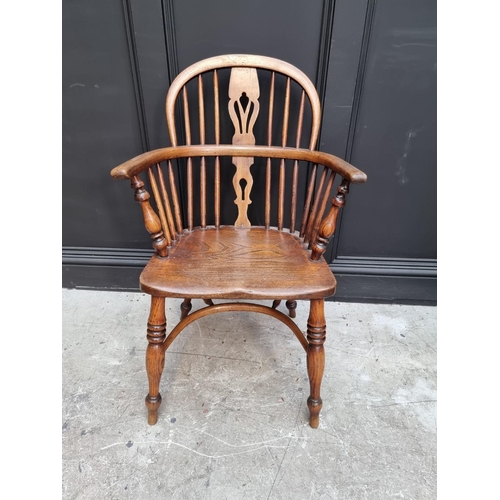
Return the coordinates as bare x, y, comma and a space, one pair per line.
243, 110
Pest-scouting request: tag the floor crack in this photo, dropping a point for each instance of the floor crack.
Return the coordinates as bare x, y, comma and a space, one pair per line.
405, 403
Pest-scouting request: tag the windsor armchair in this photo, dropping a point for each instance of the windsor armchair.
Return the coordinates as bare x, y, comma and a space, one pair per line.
198, 254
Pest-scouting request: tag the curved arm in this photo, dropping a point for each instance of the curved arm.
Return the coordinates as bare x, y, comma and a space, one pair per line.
136, 165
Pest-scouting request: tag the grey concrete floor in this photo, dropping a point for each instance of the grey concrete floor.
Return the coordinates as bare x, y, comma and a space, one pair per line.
234, 422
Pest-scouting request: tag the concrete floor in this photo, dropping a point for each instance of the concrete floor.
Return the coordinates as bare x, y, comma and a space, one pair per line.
234, 420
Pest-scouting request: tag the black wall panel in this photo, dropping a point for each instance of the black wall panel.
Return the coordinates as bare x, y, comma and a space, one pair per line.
374, 66
286, 30
100, 126
395, 138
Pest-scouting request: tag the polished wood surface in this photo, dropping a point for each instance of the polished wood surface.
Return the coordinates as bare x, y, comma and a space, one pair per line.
329, 223
243, 83
316, 334
165, 199
240, 261
291, 305
243, 61
269, 143
232, 263
235, 306
217, 141
136, 165
175, 198
161, 210
155, 355
151, 220
185, 307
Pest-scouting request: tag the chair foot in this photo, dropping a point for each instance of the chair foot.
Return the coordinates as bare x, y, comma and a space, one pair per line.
208, 302
185, 308
152, 404
291, 305
276, 303
314, 409
155, 355
316, 334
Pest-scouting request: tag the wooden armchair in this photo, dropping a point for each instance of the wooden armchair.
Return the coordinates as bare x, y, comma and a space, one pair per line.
198, 254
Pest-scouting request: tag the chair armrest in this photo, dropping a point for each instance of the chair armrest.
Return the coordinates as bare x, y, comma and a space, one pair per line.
340, 166
133, 167
136, 165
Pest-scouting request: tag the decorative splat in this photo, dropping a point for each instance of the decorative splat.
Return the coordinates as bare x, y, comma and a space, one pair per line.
243, 110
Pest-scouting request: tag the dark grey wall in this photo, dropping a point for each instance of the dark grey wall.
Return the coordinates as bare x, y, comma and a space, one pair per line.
374, 64
100, 126
395, 137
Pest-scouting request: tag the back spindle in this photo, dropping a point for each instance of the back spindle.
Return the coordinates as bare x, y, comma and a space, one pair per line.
203, 168
295, 173
322, 207
187, 127
315, 207
286, 114
217, 160
175, 199
166, 203
284, 137
281, 194
307, 203
267, 216
159, 205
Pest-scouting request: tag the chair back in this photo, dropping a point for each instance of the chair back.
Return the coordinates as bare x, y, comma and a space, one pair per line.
245, 100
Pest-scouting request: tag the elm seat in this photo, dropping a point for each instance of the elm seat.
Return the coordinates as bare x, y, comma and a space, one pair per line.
227, 263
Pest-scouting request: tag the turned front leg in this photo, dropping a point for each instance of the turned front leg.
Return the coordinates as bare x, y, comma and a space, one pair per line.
155, 355
316, 334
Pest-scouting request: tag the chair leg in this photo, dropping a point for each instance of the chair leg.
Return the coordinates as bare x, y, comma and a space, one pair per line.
316, 333
155, 355
185, 308
291, 305
276, 303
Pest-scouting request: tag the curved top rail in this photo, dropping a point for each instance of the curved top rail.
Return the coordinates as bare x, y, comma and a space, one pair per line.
243, 61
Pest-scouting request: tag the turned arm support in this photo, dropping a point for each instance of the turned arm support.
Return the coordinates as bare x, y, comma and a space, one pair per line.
151, 220
136, 165
329, 223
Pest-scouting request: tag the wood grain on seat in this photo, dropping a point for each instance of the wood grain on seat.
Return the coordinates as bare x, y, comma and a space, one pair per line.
256, 263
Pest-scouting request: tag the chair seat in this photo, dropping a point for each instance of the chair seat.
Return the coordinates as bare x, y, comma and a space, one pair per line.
238, 263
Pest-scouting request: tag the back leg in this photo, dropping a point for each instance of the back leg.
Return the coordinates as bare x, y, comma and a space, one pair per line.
185, 308
291, 305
